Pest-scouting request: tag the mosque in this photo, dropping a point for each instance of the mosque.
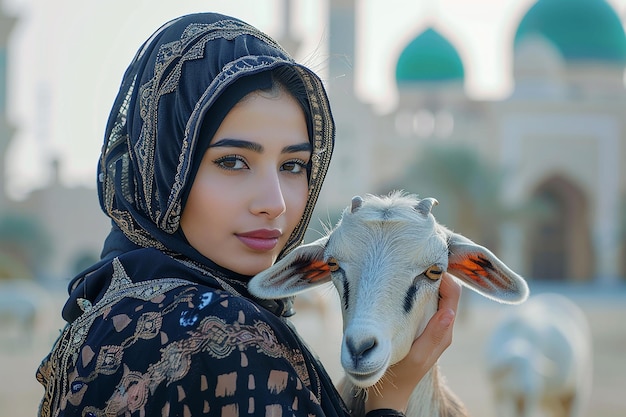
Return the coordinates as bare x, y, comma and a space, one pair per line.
560, 137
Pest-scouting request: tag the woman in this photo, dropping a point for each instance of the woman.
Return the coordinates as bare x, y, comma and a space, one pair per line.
214, 155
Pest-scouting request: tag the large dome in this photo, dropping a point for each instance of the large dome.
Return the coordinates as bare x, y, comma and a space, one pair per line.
429, 57
581, 30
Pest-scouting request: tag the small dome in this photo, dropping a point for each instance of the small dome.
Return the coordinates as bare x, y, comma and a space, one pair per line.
581, 30
429, 57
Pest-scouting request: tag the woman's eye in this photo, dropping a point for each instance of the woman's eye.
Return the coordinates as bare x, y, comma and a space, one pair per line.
295, 167
232, 163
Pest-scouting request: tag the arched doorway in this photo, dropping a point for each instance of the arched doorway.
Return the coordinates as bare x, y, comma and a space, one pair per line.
559, 242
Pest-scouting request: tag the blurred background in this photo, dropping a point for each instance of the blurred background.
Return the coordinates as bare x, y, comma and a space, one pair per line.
509, 112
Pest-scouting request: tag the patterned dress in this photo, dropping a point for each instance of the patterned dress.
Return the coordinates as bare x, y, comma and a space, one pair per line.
156, 328
167, 346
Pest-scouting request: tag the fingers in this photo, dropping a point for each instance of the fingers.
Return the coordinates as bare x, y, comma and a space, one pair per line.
441, 323
449, 293
437, 335
438, 331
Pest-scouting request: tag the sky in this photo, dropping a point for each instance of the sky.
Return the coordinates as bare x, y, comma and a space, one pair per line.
67, 57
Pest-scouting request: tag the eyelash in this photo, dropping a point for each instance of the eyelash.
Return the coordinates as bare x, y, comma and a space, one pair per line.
220, 162
300, 163
229, 158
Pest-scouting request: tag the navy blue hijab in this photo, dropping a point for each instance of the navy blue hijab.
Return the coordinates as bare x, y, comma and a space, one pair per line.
177, 90
173, 97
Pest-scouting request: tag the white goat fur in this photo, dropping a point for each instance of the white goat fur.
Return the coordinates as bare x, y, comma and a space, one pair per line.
379, 252
539, 359
19, 308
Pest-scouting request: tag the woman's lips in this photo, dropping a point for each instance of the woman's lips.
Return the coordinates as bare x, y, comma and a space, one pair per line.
260, 240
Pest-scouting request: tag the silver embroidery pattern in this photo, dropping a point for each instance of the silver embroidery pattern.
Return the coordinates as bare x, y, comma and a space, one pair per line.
139, 188
67, 380
66, 350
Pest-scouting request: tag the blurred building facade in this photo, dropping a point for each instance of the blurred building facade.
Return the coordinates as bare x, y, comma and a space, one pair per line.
560, 135
71, 217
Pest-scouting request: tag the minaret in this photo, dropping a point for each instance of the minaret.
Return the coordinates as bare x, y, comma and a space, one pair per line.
351, 166
6, 130
287, 40
342, 43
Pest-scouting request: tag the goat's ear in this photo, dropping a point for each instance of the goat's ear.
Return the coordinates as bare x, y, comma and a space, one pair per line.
479, 269
302, 269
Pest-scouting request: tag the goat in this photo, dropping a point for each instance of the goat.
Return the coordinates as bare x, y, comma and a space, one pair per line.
18, 314
539, 359
385, 257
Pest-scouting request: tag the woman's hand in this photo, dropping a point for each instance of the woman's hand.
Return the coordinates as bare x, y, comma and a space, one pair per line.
394, 389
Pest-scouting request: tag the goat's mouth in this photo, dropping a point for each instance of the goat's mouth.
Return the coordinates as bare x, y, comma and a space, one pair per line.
365, 371
365, 356
365, 380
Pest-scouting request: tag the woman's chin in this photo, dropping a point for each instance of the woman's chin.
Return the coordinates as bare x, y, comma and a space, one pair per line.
250, 265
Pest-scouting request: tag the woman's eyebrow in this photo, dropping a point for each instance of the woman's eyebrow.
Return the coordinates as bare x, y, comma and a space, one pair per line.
255, 147
237, 143
301, 147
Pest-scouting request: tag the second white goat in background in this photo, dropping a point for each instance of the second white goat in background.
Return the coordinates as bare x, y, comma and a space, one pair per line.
539, 359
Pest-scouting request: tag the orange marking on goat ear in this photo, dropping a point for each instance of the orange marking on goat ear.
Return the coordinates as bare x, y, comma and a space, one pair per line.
315, 271
462, 266
479, 269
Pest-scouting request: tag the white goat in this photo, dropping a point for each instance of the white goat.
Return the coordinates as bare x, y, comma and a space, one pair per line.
19, 308
385, 258
539, 359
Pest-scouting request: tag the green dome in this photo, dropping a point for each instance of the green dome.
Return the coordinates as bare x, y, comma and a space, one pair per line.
429, 57
580, 29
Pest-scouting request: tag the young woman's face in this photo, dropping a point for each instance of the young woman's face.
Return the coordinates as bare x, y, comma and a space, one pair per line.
251, 187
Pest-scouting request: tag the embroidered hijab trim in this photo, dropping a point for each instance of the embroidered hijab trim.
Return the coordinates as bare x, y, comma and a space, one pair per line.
147, 158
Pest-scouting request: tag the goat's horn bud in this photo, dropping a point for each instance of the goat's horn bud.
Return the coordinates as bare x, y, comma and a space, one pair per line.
357, 201
425, 205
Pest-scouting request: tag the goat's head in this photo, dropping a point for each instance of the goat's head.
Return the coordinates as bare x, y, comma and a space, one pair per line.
386, 257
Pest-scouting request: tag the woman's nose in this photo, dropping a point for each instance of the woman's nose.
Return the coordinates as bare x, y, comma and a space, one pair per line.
268, 197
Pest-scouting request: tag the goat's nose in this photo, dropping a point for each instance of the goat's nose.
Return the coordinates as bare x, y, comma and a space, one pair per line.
360, 348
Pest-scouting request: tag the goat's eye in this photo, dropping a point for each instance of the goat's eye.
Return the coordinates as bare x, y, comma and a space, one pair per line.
434, 272
333, 265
